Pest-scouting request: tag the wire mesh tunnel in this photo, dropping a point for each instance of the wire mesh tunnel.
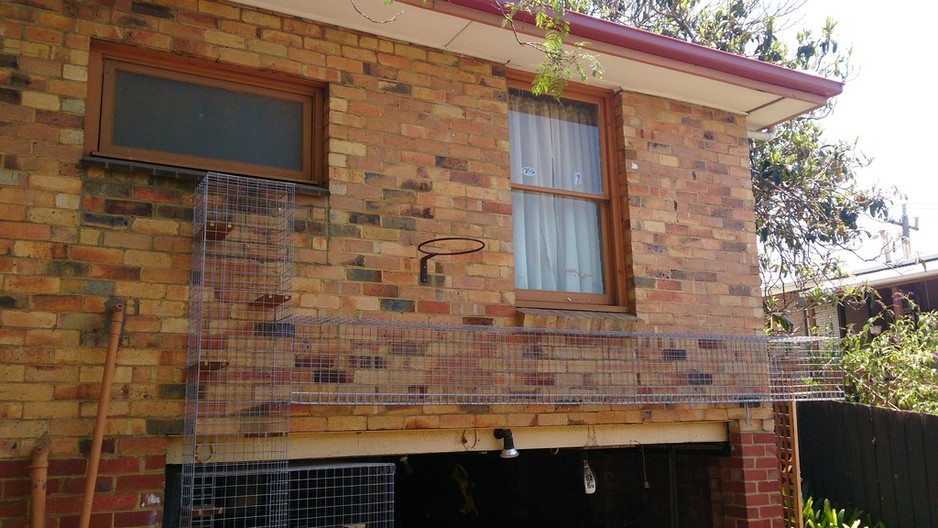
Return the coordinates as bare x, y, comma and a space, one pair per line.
238, 370
360, 361
250, 358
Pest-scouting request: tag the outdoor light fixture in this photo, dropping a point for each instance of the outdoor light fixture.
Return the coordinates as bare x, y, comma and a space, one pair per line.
508, 449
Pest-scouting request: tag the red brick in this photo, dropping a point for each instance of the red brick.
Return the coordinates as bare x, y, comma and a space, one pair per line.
140, 482
16, 487
142, 445
67, 467
138, 518
97, 519
435, 307
115, 272
114, 502
24, 231
73, 485
757, 499
10, 468
13, 509
767, 462
119, 465
65, 303
96, 254
153, 463
769, 486
59, 505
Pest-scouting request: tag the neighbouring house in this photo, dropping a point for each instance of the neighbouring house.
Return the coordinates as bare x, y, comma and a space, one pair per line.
895, 288
261, 187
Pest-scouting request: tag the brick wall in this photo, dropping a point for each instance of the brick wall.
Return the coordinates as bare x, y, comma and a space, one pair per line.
690, 207
417, 147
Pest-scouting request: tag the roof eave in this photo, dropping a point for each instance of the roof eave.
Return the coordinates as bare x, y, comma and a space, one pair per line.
598, 31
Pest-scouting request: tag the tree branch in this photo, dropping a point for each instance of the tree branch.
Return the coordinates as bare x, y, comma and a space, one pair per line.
370, 19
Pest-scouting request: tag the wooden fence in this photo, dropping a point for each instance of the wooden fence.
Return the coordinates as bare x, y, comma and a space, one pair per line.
884, 462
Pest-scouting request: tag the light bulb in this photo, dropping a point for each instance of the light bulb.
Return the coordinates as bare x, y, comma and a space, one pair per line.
589, 479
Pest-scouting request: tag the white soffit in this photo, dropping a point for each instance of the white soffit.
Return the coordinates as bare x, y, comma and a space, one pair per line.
624, 69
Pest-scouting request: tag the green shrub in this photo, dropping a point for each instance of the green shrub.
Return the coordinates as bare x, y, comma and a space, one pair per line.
829, 517
897, 367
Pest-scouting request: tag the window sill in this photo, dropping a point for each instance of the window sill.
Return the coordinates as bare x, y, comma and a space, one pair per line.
179, 172
572, 319
571, 306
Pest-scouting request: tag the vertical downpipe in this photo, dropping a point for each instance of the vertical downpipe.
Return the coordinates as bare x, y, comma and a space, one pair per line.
40, 470
104, 400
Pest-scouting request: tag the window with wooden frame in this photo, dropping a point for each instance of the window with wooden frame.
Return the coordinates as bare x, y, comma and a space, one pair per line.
165, 109
563, 200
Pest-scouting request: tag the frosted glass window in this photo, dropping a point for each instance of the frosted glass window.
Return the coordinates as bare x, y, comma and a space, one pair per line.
159, 108
172, 116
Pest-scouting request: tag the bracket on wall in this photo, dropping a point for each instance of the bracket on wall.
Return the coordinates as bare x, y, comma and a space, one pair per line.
429, 251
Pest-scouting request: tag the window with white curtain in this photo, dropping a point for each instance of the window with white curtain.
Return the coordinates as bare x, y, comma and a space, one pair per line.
559, 199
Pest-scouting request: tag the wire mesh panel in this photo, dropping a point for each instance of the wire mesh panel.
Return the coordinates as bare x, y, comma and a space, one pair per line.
806, 368
343, 495
360, 361
241, 495
240, 358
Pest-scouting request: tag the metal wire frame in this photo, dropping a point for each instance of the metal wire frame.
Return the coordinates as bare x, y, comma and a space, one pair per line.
805, 368
317, 495
363, 361
249, 359
238, 372
343, 494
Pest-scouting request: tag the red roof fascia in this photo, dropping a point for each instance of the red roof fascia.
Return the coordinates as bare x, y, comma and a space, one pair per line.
596, 30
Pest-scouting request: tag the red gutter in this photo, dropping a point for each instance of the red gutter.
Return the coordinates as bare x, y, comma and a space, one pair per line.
596, 30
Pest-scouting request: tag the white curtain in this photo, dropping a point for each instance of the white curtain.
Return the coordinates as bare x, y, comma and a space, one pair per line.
555, 145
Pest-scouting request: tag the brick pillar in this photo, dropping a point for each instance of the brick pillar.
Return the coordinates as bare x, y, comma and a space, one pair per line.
750, 490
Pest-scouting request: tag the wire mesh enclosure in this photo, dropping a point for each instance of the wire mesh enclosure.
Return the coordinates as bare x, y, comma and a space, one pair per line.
250, 358
346, 495
360, 361
318, 495
806, 368
239, 364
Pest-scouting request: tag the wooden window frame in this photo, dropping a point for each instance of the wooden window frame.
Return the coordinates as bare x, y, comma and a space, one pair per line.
610, 213
106, 58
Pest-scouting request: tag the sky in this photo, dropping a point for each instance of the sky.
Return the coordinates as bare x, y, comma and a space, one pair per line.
888, 105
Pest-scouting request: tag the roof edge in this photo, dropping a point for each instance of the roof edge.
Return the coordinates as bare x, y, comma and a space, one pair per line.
596, 30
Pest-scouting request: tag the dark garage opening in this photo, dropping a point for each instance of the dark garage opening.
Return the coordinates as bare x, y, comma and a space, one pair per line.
544, 488
540, 488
